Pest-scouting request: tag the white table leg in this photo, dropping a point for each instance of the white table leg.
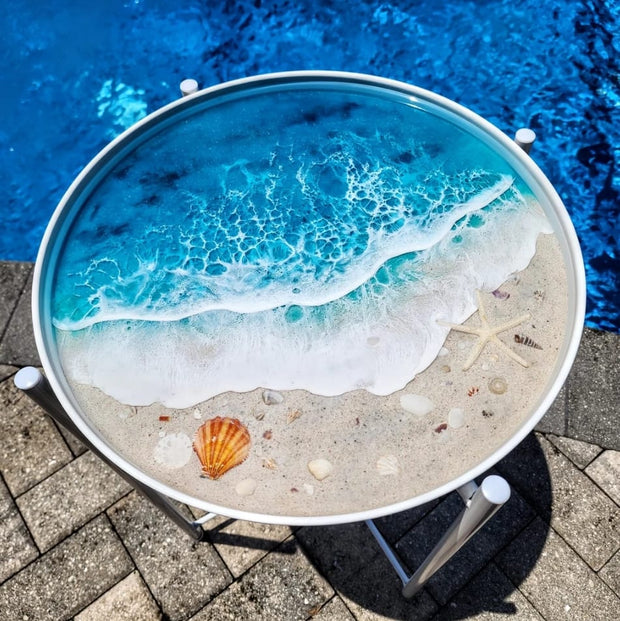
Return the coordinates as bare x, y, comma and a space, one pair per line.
481, 504
31, 381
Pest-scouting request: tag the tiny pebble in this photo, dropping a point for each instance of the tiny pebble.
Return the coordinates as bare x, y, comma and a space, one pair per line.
246, 487
416, 404
320, 468
271, 397
456, 418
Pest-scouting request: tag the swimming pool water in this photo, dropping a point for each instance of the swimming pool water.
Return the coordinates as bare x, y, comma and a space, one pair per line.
77, 74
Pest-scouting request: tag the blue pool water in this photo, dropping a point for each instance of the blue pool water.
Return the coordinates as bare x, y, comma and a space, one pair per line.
75, 74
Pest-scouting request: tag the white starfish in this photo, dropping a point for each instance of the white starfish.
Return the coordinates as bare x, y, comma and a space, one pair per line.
486, 334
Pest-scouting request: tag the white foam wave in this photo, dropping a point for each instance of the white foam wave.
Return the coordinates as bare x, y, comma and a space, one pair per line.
376, 343
245, 288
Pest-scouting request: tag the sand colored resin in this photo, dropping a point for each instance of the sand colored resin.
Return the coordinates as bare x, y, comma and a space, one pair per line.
494, 398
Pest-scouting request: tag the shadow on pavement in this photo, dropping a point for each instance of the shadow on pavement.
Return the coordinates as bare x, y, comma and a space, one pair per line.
471, 582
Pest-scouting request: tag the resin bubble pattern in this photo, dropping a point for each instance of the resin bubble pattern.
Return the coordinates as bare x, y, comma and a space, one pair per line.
290, 222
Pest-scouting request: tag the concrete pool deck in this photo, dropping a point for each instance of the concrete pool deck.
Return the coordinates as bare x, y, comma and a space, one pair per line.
77, 542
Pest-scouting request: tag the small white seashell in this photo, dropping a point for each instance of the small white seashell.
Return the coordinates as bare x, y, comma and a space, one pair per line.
388, 465
456, 418
271, 397
320, 468
309, 489
292, 415
173, 450
498, 386
270, 463
197, 414
443, 351
246, 487
417, 404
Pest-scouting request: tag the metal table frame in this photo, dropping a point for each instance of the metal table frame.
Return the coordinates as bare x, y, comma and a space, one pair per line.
481, 502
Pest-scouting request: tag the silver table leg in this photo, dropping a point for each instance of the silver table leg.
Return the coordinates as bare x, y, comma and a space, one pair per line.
481, 504
31, 381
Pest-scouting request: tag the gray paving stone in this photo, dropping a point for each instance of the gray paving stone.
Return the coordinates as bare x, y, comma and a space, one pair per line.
338, 551
183, 575
555, 419
16, 544
6, 370
31, 448
334, 610
394, 526
129, 600
580, 453
76, 446
593, 390
527, 471
564, 497
605, 471
282, 586
610, 574
13, 277
68, 578
375, 593
241, 543
17, 346
498, 532
557, 582
583, 515
490, 596
69, 498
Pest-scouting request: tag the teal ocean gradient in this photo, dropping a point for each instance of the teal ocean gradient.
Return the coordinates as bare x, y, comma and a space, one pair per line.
286, 241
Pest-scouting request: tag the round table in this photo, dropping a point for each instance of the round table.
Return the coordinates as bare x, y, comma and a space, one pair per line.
372, 279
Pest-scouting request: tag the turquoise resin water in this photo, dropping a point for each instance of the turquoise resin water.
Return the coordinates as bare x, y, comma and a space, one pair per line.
287, 238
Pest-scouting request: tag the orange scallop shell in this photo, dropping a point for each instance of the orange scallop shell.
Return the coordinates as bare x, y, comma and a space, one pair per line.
221, 444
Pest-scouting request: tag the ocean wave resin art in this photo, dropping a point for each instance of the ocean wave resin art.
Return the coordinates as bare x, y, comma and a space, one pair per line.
298, 236
371, 283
